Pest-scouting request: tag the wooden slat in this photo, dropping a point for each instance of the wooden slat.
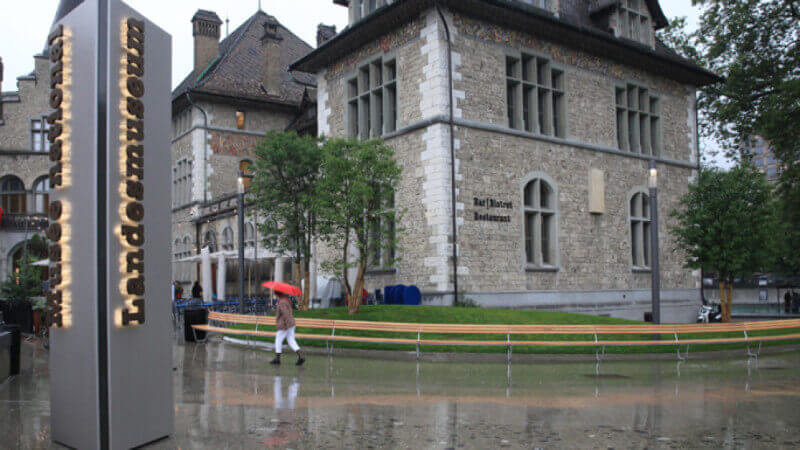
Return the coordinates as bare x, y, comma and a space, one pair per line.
513, 329
379, 340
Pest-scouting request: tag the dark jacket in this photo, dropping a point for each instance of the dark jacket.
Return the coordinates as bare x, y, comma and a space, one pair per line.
283, 317
197, 291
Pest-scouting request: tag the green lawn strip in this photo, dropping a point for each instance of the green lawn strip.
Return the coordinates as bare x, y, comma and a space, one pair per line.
444, 315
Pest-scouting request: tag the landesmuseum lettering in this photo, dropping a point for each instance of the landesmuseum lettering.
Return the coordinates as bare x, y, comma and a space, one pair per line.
132, 151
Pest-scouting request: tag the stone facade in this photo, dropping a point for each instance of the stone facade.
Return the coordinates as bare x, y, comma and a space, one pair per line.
594, 264
17, 156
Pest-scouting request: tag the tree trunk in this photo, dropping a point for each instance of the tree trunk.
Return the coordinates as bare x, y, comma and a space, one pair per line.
730, 301
307, 290
725, 299
298, 276
355, 298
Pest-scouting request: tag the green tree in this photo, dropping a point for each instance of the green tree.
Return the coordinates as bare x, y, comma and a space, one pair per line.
357, 194
755, 44
25, 283
284, 186
725, 224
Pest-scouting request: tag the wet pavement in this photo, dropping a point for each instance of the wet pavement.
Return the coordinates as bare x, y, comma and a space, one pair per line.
229, 397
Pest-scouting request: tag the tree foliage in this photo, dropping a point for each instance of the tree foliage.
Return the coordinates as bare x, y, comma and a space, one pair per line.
23, 284
356, 197
726, 225
284, 188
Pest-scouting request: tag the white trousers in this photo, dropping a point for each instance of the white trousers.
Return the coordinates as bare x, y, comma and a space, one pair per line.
289, 336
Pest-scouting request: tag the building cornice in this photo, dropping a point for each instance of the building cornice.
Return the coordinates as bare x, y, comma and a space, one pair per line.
482, 126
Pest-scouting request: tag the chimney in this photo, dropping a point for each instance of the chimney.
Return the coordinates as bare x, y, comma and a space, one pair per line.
271, 43
205, 29
325, 33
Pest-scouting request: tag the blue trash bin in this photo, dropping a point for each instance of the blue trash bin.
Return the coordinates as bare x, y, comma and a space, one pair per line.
412, 296
397, 294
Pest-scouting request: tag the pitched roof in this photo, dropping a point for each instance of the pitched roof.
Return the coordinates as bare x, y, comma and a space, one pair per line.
238, 70
575, 25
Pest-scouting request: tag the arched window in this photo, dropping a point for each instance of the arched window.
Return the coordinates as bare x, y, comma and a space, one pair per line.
210, 240
227, 239
41, 194
246, 166
640, 230
540, 213
12, 195
188, 249
249, 235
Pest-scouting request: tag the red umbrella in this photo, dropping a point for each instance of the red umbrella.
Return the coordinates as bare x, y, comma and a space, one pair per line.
287, 289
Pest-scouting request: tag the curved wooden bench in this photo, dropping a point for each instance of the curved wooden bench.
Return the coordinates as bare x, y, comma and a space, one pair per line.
595, 331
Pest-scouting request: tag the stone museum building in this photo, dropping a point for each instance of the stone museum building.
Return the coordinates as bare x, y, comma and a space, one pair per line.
24, 163
238, 89
559, 106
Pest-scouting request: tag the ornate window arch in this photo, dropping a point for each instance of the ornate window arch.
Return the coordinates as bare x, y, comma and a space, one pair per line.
13, 197
227, 239
41, 194
540, 221
249, 235
639, 218
210, 240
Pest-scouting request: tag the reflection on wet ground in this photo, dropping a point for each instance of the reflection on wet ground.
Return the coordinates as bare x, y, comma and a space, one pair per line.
229, 397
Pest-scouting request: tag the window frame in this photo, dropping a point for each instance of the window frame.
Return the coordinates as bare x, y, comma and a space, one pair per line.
555, 120
644, 23
361, 90
654, 142
228, 239
644, 255
43, 142
182, 182
383, 260
13, 196
538, 265
43, 194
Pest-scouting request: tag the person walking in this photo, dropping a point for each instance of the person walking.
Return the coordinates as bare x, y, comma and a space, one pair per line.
285, 324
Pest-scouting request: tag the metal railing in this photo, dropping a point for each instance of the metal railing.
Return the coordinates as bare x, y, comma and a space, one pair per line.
21, 222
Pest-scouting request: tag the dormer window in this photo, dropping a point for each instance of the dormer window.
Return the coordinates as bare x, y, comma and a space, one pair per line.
363, 8
634, 22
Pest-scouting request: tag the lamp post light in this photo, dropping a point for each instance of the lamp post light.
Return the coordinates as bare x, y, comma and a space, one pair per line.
240, 189
656, 275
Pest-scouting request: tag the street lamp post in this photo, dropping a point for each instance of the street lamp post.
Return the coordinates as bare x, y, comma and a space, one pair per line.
240, 188
655, 272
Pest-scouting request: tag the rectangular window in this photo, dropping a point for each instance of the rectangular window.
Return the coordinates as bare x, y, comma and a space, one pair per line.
372, 100
535, 95
240, 120
638, 120
182, 183
39, 141
382, 254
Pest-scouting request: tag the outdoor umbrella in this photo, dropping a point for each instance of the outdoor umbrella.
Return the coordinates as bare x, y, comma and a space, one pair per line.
285, 288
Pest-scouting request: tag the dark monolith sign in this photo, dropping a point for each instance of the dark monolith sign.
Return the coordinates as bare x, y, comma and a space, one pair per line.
110, 356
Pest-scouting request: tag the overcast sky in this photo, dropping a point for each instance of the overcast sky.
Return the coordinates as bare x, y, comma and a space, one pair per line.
26, 24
